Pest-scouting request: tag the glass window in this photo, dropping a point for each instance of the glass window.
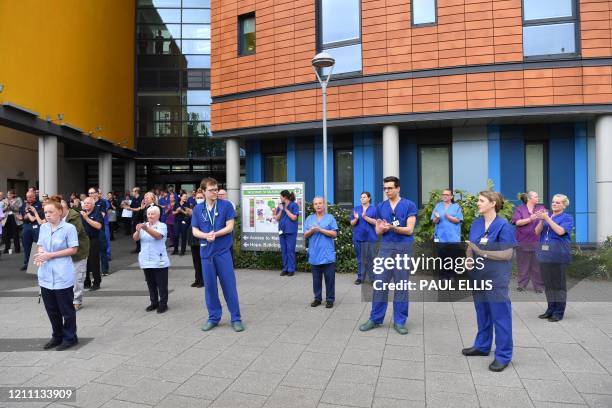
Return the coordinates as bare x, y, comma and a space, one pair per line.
434, 169
246, 34
423, 12
197, 98
549, 39
198, 61
196, 3
348, 59
159, 16
196, 31
542, 9
166, 31
159, 3
343, 174
196, 129
535, 168
198, 113
275, 168
341, 20
196, 16
196, 46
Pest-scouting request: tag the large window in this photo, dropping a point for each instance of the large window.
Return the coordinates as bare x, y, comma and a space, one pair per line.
343, 171
340, 33
536, 173
423, 12
434, 170
275, 168
550, 28
246, 34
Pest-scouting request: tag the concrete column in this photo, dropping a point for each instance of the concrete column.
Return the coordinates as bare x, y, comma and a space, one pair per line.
232, 169
603, 175
129, 180
105, 172
390, 138
47, 165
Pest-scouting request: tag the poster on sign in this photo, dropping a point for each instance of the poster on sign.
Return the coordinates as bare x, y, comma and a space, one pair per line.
260, 202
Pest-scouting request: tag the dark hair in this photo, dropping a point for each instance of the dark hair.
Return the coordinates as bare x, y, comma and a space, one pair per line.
288, 195
494, 196
208, 181
392, 179
524, 197
451, 192
368, 194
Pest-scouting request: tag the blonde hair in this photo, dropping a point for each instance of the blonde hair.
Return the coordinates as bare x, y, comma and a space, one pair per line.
563, 198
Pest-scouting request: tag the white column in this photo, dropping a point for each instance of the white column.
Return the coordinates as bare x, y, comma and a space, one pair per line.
390, 139
129, 180
603, 177
105, 172
232, 169
47, 165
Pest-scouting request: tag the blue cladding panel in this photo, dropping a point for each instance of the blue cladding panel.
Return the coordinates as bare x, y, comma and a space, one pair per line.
318, 165
254, 170
581, 182
494, 159
291, 159
512, 147
409, 171
304, 170
364, 169
561, 163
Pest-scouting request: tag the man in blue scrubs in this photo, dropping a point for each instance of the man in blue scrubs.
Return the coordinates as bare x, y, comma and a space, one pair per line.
213, 224
395, 221
32, 215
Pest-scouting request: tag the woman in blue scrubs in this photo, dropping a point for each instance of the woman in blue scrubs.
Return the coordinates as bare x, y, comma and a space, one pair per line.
287, 216
554, 254
320, 229
447, 217
363, 221
491, 245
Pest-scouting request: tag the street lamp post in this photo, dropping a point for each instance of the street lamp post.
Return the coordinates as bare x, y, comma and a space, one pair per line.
320, 61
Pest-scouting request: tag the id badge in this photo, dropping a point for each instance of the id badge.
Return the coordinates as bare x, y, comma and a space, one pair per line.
280, 232
184, 222
203, 244
484, 240
161, 263
395, 223
436, 239
34, 226
545, 247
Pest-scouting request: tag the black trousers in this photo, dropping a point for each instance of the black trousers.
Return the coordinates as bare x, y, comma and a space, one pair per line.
157, 281
93, 263
58, 303
197, 263
555, 287
135, 222
11, 232
180, 231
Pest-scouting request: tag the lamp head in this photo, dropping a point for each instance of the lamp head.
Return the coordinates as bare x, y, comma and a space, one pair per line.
323, 60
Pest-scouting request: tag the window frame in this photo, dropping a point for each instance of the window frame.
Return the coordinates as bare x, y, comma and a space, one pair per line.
420, 173
241, 19
574, 18
435, 22
338, 151
543, 194
337, 44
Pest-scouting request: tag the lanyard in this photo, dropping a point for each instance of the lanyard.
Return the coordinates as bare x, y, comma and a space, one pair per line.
211, 218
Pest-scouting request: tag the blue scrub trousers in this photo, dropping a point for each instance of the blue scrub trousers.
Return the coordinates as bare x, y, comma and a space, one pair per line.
220, 266
103, 251
329, 272
108, 244
380, 298
287, 245
494, 313
364, 253
30, 235
58, 303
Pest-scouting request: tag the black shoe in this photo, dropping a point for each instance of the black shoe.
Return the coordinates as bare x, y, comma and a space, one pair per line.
65, 346
52, 343
329, 305
200, 285
358, 282
151, 308
544, 315
520, 289
135, 251
315, 303
290, 273
283, 273
554, 318
538, 291
194, 285
162, 308
23, 268
94, 288
87, 285
182, 254
496, 366
473, 351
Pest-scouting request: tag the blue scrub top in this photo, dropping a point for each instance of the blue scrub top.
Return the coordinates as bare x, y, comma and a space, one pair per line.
403, 210
321, 249
363, 231
94, 215
163, 202
559, 246
286, 224
191, 201
203, 219
445, 230
39, 209
500, 236
57, 273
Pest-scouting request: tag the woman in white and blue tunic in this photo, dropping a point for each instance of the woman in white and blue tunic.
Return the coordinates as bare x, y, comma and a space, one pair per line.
57, 242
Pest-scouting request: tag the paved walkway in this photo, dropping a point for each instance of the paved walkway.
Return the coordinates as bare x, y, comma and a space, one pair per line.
292, 355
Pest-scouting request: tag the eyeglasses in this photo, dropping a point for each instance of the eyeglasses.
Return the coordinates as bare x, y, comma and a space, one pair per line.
91, 192
213, 190
388, 188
